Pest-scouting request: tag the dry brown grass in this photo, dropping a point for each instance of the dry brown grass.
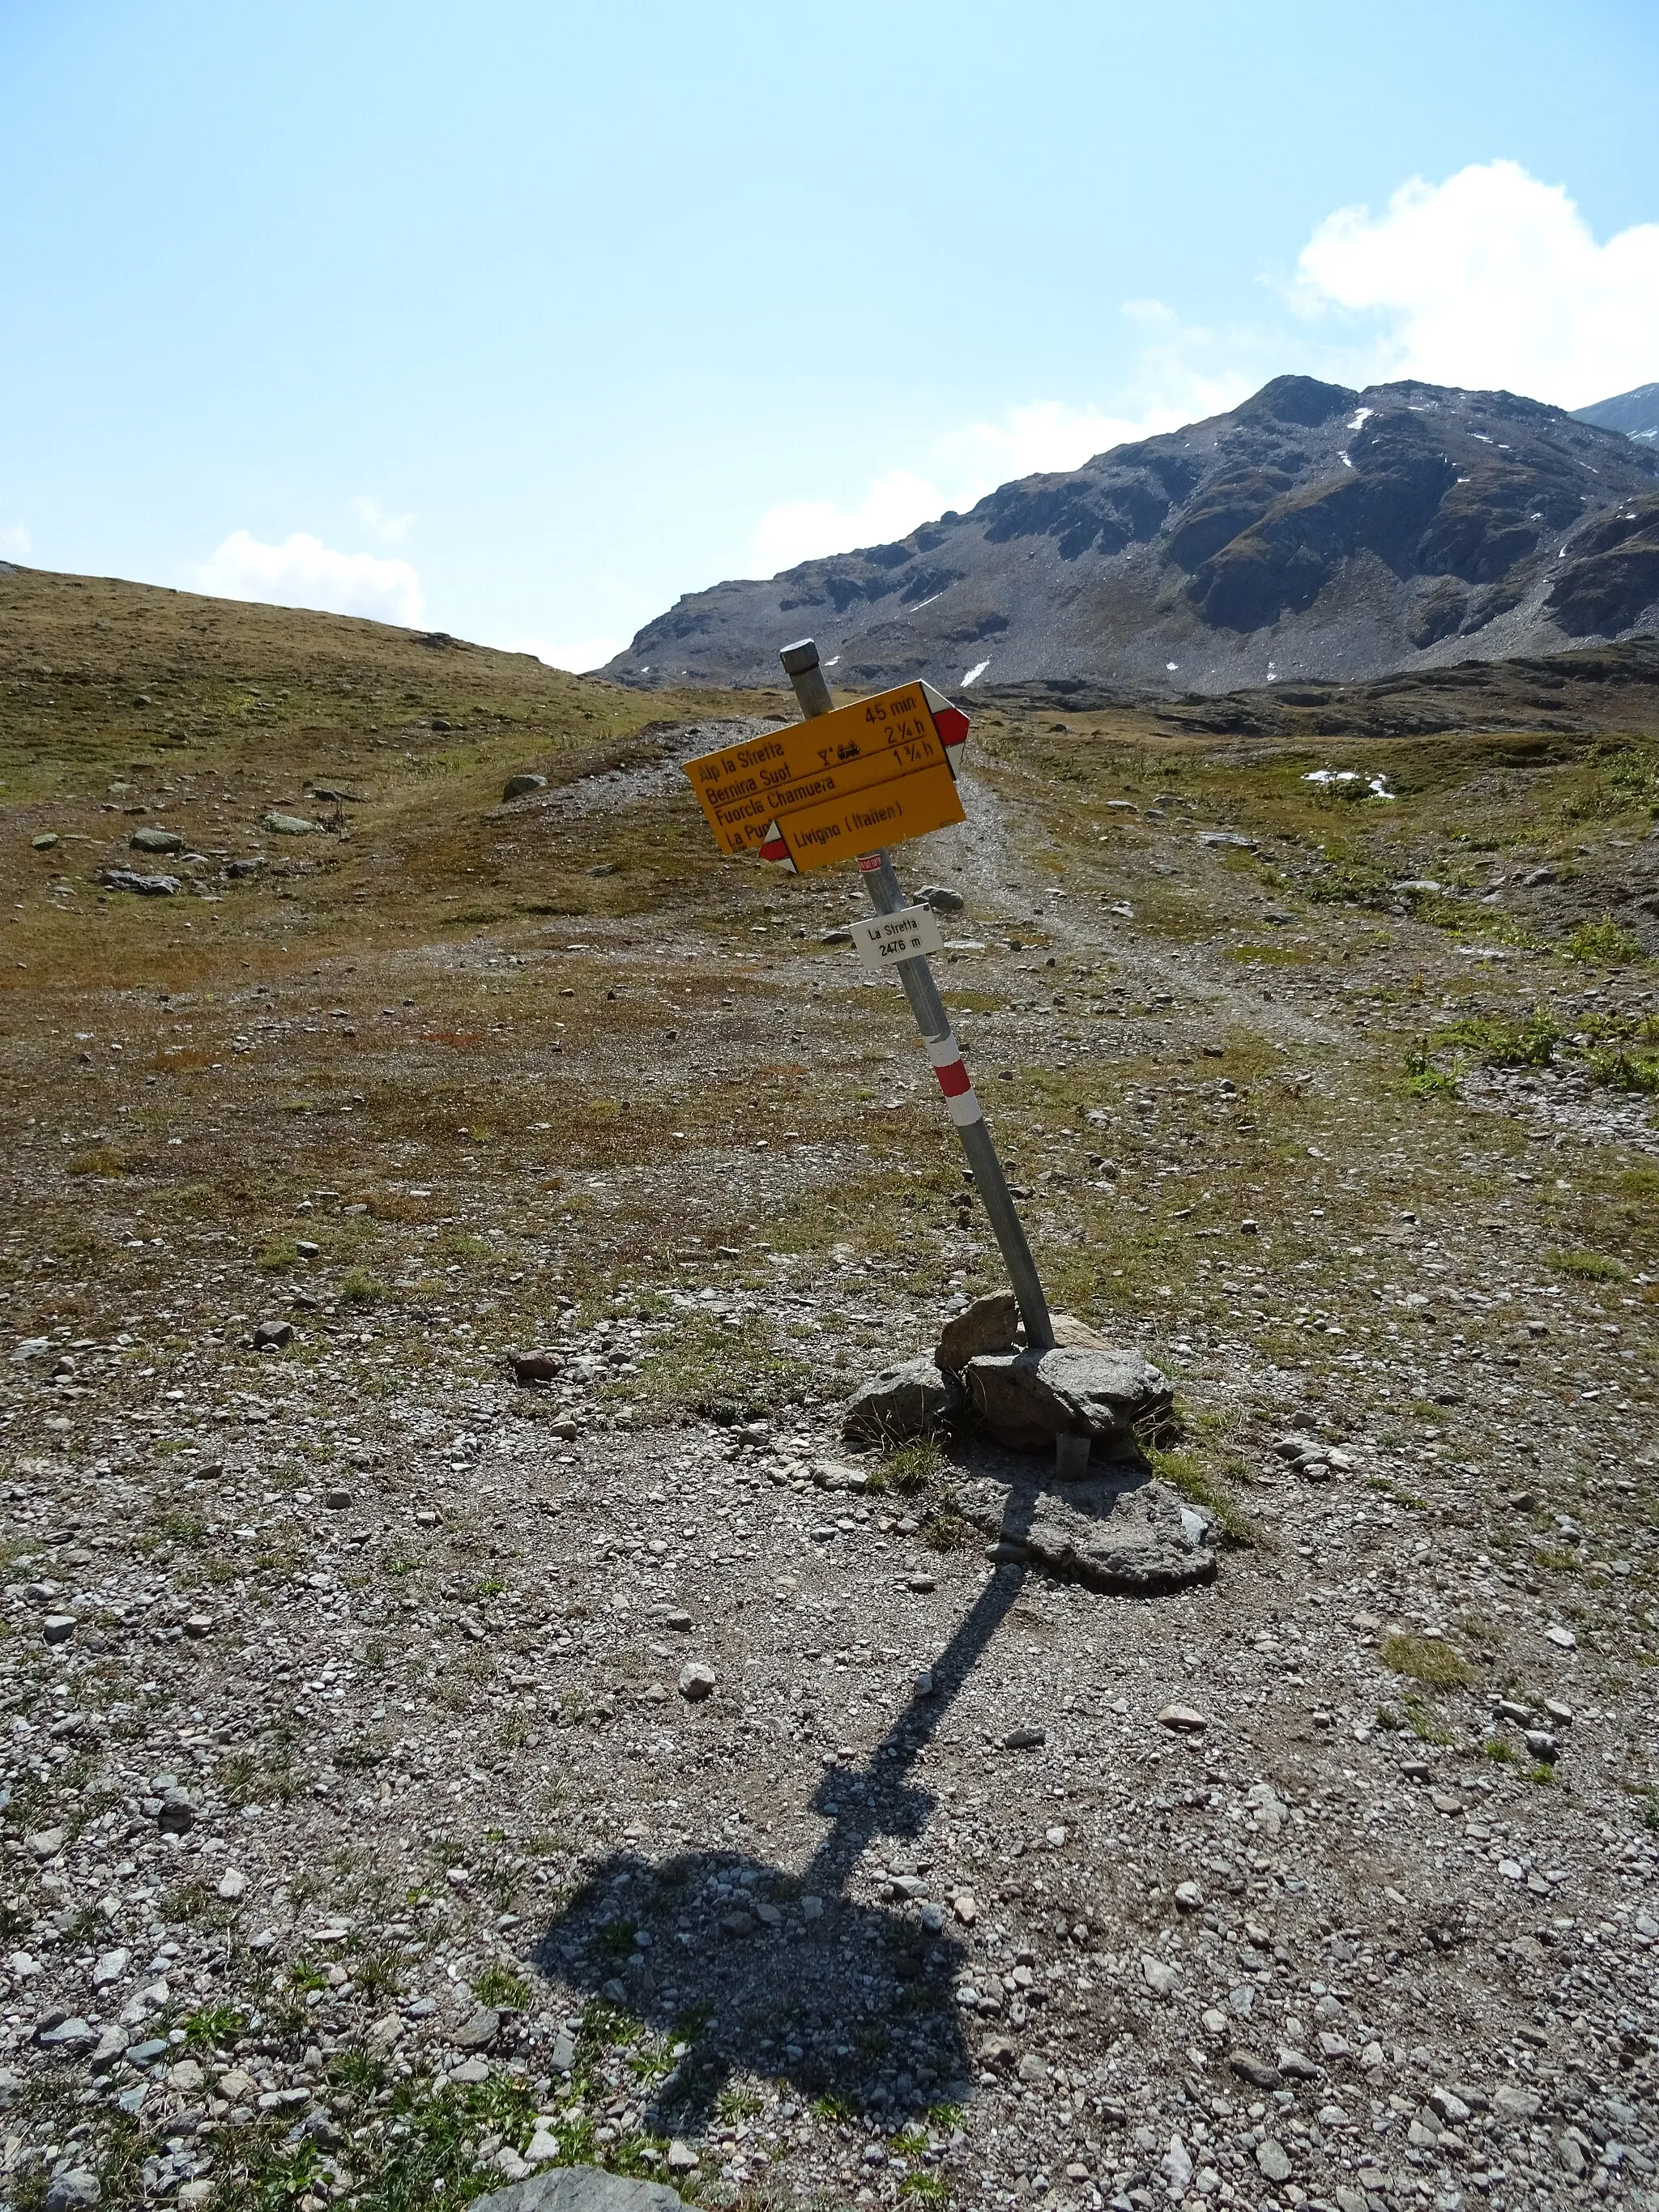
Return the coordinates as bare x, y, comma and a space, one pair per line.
392, 1012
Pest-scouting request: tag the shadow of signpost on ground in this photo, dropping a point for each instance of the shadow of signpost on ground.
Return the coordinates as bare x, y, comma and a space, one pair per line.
783, 1974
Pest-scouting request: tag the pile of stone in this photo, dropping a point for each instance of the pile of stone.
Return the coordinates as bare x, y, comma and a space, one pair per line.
1095, 1394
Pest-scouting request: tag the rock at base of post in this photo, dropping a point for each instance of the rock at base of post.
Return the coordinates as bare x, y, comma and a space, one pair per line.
581, 2189
913, 1399
1026, 1399
989, 1324
1107, 1532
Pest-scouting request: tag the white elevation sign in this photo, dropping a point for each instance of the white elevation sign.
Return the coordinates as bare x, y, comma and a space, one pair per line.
883, 940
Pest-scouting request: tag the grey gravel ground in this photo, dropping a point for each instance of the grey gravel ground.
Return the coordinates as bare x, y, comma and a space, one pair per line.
394, 1750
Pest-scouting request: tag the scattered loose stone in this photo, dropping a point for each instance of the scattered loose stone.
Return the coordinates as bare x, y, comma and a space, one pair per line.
698, 1681
586, 2188
128, 879
1183, 1720
911, 1399
177, 1816
1249, 2068
479, 2030
73, 2191
1273, 2160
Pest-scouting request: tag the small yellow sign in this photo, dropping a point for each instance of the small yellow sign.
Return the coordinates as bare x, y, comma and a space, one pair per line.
743, 788
841, 827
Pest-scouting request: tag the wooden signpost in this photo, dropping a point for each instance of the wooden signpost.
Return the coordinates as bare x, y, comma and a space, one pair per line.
842, 786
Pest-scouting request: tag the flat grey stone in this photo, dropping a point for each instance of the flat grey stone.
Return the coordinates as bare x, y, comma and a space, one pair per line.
989, 1324
580, 2189
1112, 1535
177, 1816
129, 879
156, 840
1273, 2160
911, 1399
1026, 1399
70, 2191
521, 786
478, 2031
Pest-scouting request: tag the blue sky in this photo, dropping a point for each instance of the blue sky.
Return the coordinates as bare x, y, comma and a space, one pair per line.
520, 321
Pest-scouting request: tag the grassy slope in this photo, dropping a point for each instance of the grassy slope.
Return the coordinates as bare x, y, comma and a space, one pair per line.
478, 1057
552, 1024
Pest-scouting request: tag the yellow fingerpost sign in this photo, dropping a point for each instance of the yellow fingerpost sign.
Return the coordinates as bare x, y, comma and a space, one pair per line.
841, 829
823, 763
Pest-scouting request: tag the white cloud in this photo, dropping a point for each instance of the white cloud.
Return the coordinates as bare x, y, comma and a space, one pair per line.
582, 655
389, 529
1492, 280
800, 530
303, 572
963, 464
1041, 436
14, 542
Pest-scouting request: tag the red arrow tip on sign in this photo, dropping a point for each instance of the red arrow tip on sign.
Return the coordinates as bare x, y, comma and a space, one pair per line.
951, 724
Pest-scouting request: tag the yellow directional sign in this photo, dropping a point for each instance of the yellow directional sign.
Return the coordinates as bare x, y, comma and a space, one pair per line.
823, 763
841, 827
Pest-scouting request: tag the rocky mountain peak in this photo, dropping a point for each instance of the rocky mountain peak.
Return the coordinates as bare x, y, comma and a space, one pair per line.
1313, 530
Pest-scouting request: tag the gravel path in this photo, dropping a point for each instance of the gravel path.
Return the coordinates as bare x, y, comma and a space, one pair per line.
413, 1778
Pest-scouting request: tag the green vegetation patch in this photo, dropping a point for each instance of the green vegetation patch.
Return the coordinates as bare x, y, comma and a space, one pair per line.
1427, 1659
1589, 1266
1605, 943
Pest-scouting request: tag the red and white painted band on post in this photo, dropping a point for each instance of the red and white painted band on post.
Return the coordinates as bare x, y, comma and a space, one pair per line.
870, 863
954, 1079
